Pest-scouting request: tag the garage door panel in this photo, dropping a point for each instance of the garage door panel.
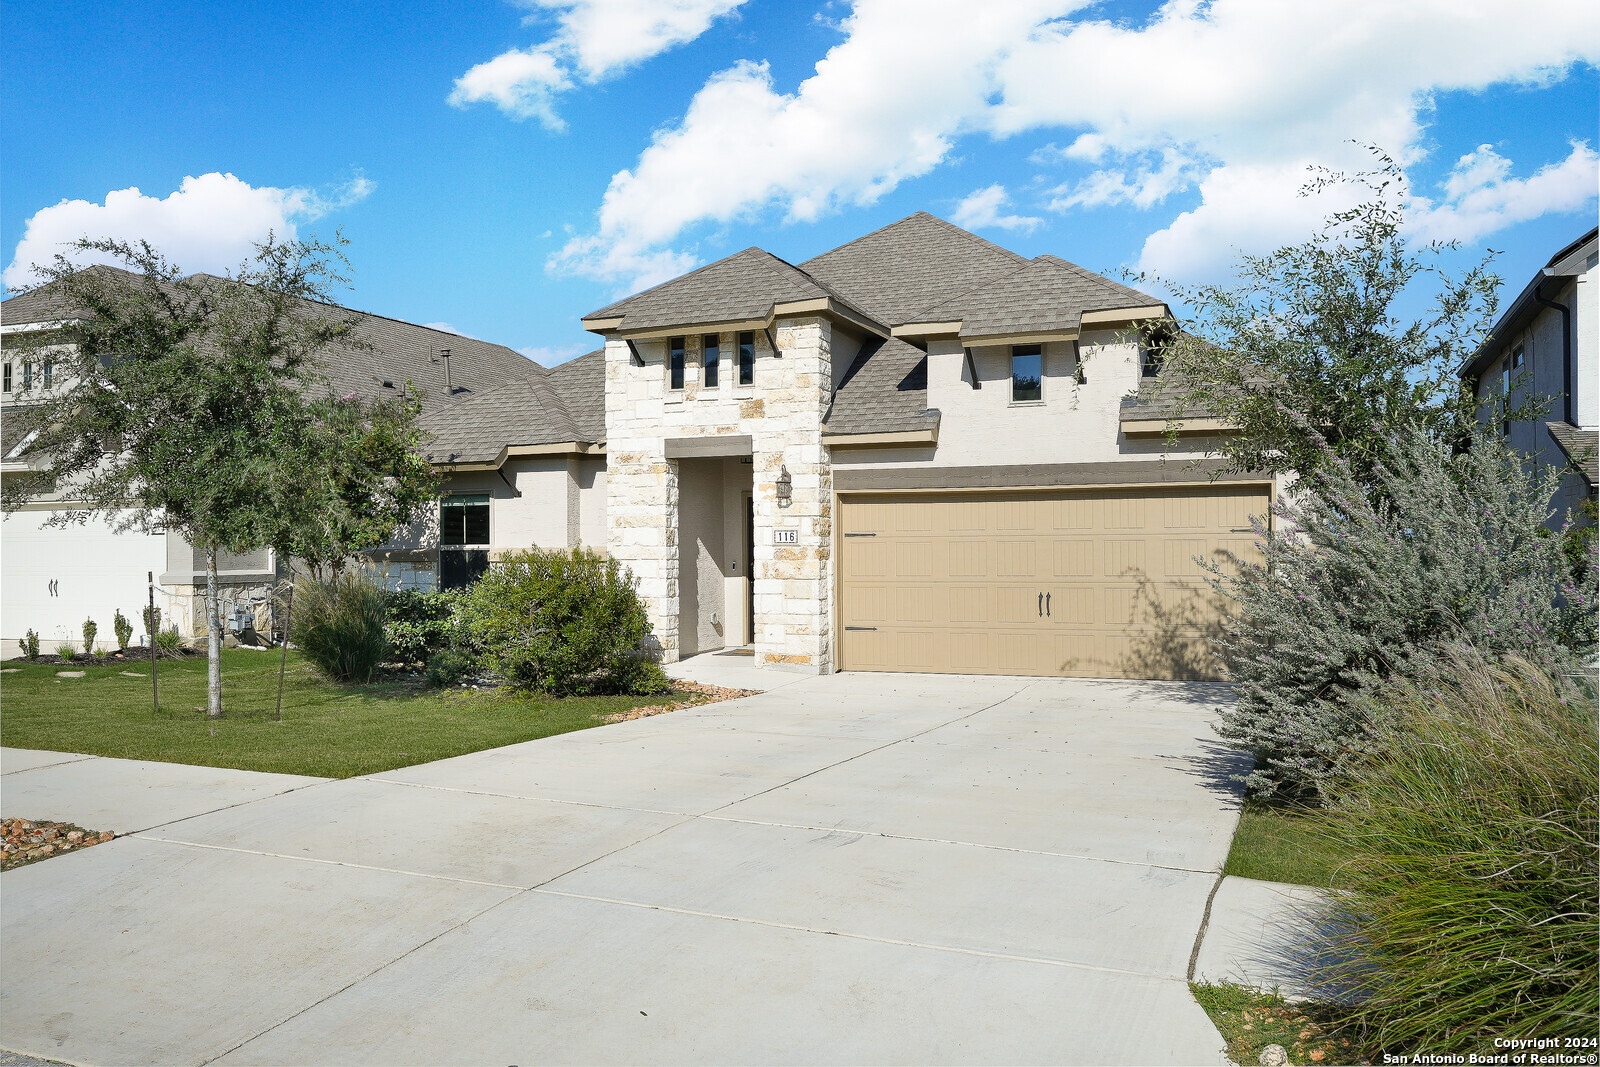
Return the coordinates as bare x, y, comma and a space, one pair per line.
953, 582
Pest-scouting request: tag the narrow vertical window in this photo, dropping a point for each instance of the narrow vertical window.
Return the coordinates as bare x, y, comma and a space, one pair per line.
8, 376
747, 358
711, 346
27, 375
1027, 372
49, 372
675, 361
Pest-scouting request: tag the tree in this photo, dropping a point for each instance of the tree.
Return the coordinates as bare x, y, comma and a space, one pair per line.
1307, 354
198, 403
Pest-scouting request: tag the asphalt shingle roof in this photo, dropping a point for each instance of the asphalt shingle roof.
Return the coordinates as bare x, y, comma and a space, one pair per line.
740, 287
499, 397
1046, 294
897, 272
884, 391
1581, 446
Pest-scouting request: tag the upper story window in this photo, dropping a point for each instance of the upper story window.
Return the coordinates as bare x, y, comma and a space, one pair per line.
27, 375
1508, 376
711, 346
464, 519
1027, 372
747, 358
675, 362
8, 376
49, 373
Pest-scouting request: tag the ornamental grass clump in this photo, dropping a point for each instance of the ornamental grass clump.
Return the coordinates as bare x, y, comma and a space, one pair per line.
1472, 829
565, 623
338, 625
1362, 582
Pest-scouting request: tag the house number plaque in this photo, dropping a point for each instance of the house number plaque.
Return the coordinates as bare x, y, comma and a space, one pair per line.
785, 537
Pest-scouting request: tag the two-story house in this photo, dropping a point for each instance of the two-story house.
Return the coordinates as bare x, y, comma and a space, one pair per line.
915, 452
1544, 353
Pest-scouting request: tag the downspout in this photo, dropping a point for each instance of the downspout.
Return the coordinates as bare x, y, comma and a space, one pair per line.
1566, 351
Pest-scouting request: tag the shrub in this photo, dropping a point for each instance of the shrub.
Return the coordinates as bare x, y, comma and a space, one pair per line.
123, 628
338, 625
89, 630
563, 622
152, 620
1472, 830
420, 624
30, 644
448, 666
1364, 582
167, 641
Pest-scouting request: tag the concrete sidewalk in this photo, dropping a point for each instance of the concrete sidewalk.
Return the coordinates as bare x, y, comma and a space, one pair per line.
125, 795
855, 868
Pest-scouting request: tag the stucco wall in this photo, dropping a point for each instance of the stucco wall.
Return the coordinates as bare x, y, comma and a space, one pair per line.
1073, 423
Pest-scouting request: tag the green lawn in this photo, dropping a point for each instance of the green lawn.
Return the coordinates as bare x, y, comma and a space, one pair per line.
333, 731
1283, 843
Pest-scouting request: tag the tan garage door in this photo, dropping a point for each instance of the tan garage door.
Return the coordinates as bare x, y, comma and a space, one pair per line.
1088, 583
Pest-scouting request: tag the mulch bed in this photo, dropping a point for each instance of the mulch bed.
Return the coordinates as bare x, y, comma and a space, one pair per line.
30, 840
699, 694
119, 657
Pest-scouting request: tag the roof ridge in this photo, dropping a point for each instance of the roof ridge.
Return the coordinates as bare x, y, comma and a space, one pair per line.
917, 215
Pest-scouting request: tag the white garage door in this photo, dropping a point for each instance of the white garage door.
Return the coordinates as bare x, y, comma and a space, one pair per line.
51, 579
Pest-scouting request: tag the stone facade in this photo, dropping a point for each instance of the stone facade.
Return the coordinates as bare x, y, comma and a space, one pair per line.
782, 413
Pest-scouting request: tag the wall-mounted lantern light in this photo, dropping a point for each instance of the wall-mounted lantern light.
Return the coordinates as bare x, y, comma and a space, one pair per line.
785, 486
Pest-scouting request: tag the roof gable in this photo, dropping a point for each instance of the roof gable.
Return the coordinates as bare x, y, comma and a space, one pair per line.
737, 288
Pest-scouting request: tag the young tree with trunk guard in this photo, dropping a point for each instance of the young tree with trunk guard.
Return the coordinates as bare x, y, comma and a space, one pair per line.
197, 403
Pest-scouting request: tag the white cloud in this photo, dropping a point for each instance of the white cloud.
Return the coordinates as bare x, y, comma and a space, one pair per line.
550, 356
594, 38
980, 209
1480, 196
1256, 89
1142, 187
517, 82
211, 223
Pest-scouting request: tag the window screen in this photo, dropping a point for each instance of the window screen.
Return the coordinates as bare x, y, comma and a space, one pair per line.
1027, 372
712, 350
747, 358
464, 520
675, 361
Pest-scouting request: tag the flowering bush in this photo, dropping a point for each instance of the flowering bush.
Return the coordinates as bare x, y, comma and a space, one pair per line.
1445, 551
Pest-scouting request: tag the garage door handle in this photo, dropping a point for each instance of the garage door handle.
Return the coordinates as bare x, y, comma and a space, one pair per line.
1041, 605
1047, 605
861, 535
860, 627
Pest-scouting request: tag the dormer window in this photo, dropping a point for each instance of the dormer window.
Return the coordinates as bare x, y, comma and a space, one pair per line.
711, 347
747, 358
675, 362
1027, 373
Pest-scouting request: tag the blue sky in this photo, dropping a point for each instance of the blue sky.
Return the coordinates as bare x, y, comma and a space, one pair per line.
505, 168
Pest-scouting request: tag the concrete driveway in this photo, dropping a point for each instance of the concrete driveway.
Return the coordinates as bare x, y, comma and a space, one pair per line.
862, 868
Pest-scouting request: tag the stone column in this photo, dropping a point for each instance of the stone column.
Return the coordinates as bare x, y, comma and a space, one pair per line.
642, 493
794, 581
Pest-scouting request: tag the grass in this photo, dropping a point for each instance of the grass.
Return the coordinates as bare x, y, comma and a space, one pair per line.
1251, 1019
328, 730
1279, 842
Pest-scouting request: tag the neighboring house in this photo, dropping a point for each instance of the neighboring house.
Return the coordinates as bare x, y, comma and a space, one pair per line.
918, 451
502, 421
1546, 349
